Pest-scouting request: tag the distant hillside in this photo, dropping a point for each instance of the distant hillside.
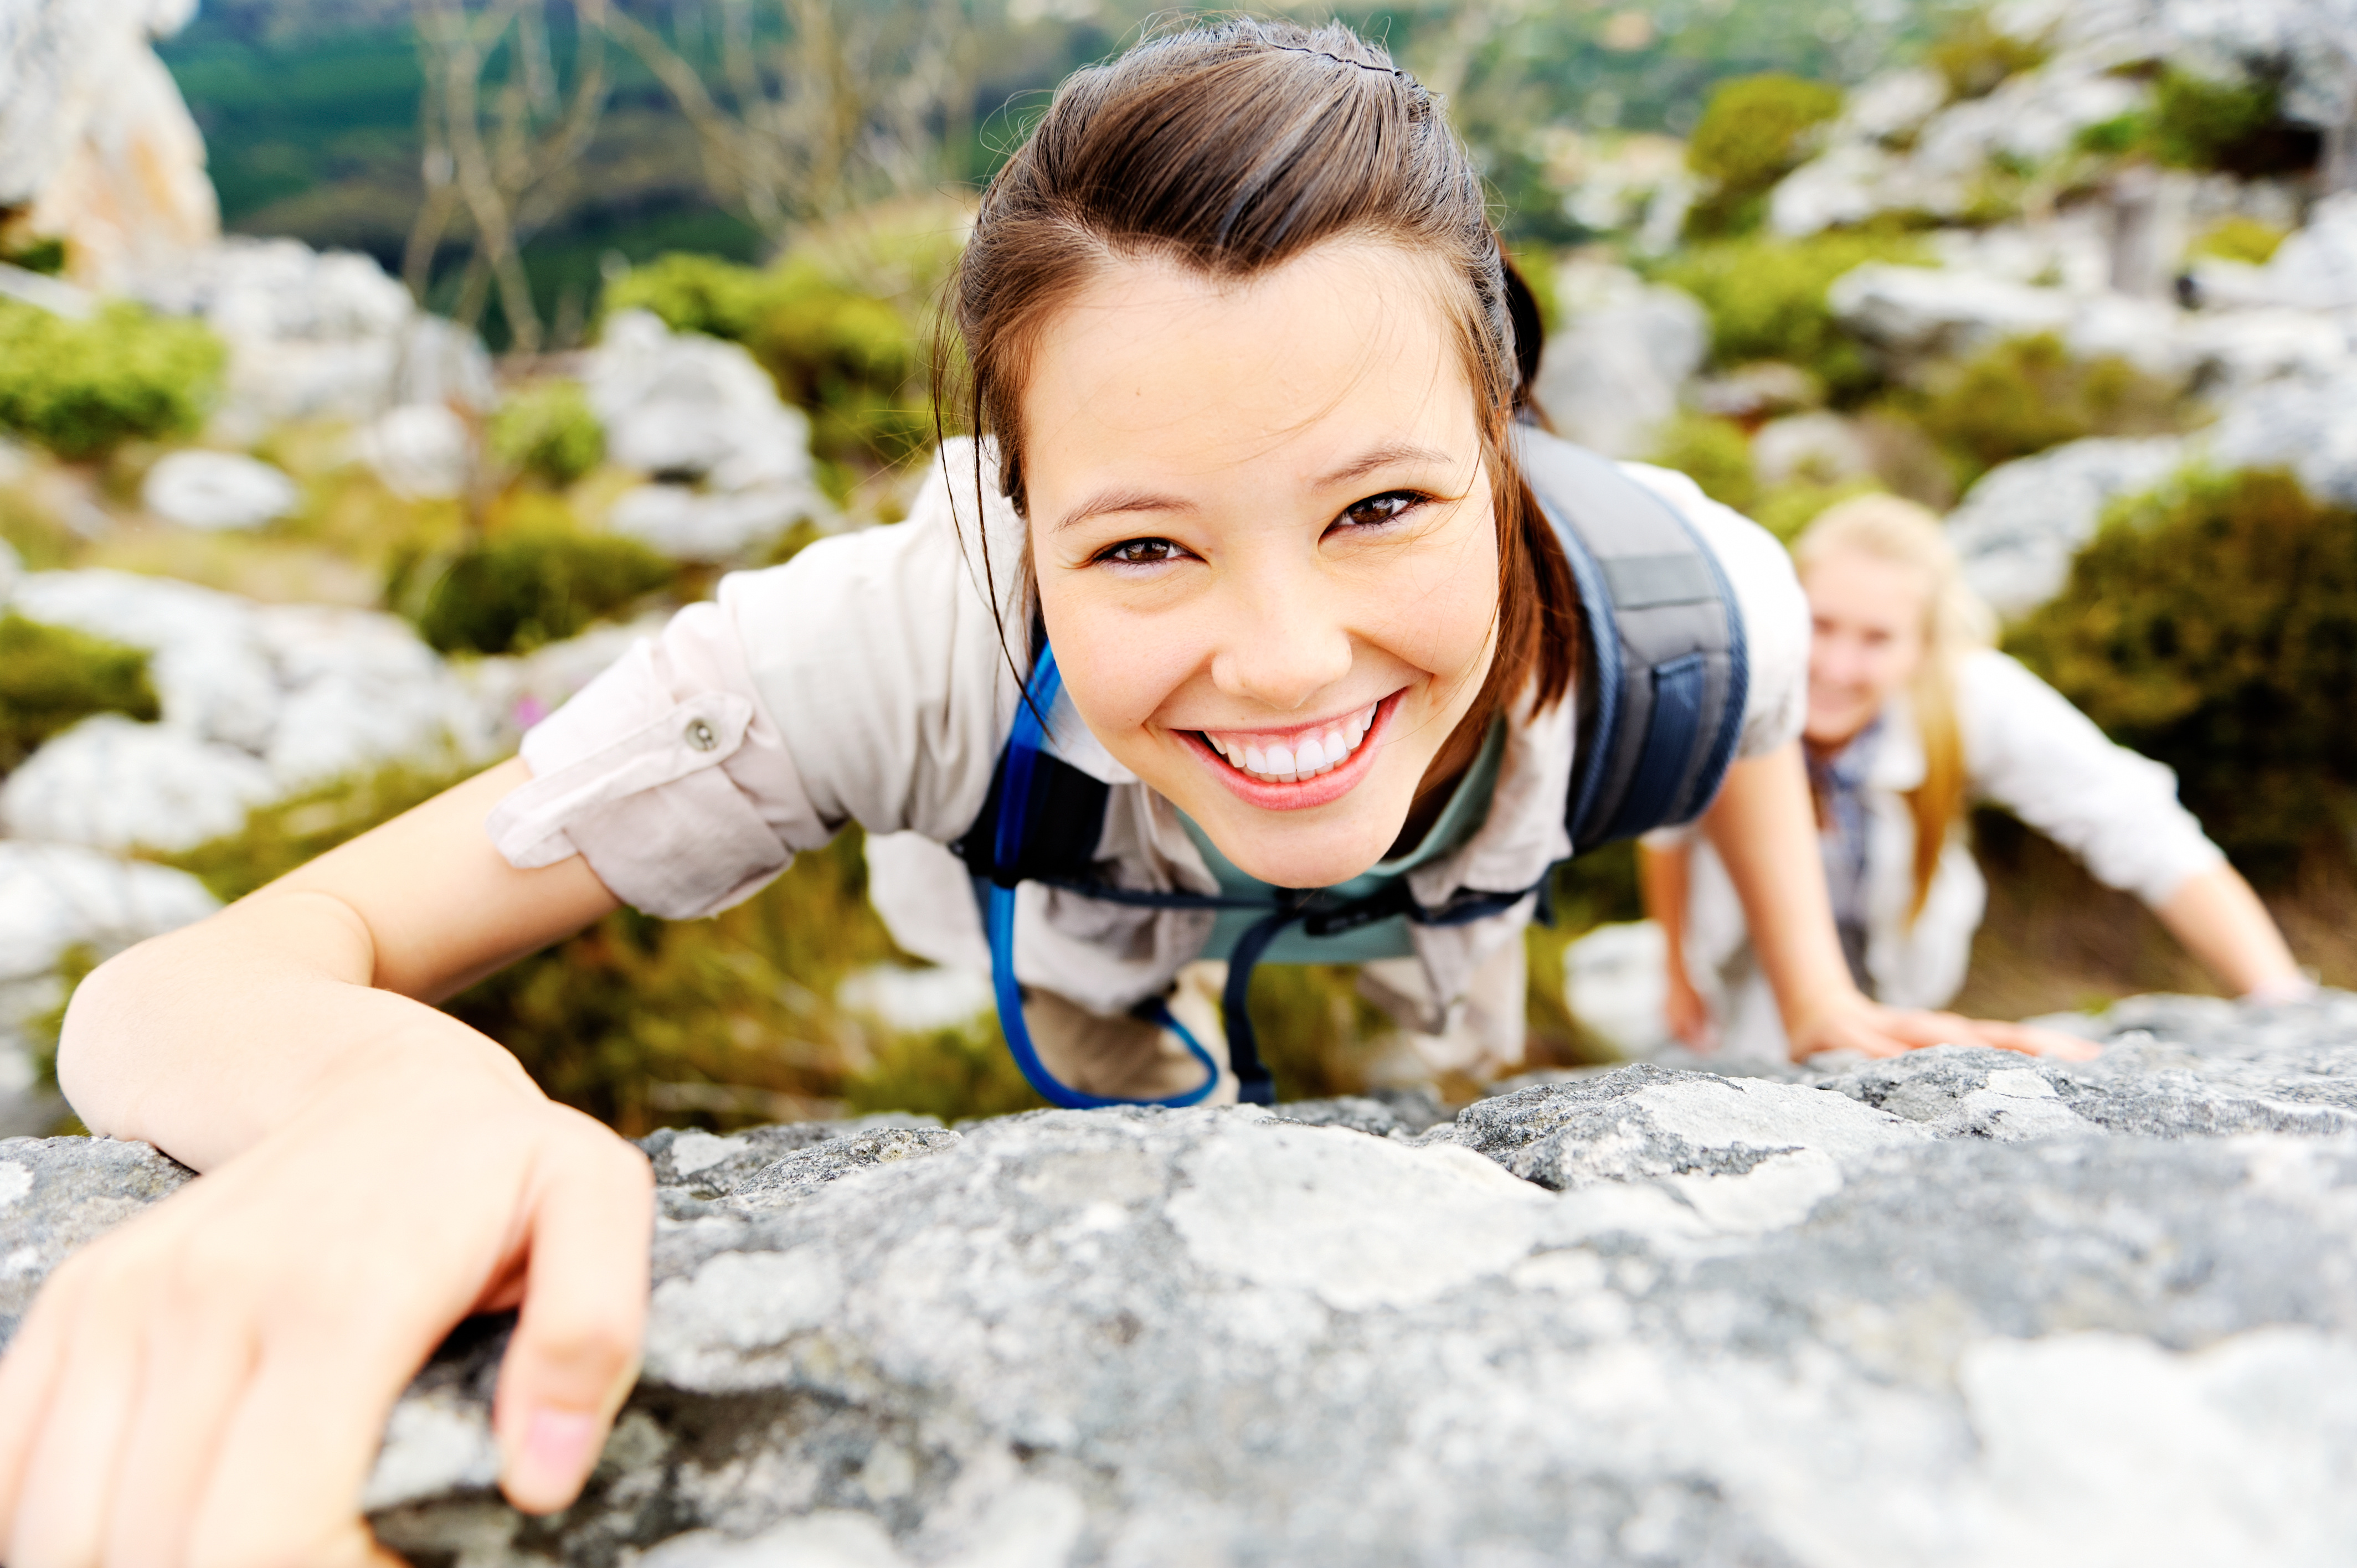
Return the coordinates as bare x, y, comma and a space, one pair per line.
309, 110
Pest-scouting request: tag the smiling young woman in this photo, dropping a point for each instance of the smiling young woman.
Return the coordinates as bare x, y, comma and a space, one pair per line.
1239, 543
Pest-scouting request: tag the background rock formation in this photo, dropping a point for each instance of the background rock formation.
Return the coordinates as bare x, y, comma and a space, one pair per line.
1962, 1307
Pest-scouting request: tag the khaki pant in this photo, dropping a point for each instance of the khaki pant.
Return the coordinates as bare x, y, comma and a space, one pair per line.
1127, 1057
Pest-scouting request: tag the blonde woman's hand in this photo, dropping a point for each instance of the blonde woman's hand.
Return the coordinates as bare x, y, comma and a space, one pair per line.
1872, 1029
1688, 1014
209, 1384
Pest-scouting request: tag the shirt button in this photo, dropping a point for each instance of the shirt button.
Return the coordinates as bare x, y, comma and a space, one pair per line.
701, 737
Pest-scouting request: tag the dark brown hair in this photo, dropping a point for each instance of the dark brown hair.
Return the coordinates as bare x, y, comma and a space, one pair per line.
1231, 150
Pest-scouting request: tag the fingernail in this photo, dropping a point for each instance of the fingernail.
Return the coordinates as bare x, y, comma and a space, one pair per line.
557, 1449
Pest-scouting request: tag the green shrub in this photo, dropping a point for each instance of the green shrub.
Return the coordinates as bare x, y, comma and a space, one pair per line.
529, 583
1754, 132
2238, 127
549, 432
1712, 452
693, 293
2240, 239
1766, 299
2213, 626
53, 676
1975, 58
83, 388
2023, 395
1794, 504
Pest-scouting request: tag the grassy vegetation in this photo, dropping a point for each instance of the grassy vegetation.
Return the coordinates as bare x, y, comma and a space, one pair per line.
1975, 58
548, 432
2023, 395
1766, 299
2213, 625
1754, 131
53, 676
83, 388
536, 580
2240, 238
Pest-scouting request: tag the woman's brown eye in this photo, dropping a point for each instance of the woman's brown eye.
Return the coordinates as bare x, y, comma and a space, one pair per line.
1142, 551
1376, 511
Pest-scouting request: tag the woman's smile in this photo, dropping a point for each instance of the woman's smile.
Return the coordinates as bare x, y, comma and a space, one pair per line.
1301, 765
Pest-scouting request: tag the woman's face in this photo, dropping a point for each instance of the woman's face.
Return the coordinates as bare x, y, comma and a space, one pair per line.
1868, 616
1266, 547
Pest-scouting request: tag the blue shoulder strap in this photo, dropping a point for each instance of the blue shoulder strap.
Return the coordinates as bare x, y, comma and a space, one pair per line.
1026, 750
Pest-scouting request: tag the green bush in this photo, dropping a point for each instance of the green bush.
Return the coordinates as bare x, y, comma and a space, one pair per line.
1754, 132
549, 432
2239, 127
2240, 239
2213, 626
694, 294
83, 388
1712, 452
53, 676
1766, 299
2023, 395
1975, 58
529, 583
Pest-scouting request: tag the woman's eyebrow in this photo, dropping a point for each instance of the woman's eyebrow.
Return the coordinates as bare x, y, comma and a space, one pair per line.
1384, 456
1120, 500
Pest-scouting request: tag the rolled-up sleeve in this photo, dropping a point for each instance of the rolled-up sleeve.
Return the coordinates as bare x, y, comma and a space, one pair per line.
667, 775
2031, 752
863, 681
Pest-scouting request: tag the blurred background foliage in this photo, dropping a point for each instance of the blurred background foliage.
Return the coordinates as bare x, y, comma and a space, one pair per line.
2213, 623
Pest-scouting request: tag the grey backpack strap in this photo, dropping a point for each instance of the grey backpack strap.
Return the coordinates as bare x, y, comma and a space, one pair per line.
1664, 677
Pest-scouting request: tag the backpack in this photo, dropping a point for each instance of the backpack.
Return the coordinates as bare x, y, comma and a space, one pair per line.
1663, 682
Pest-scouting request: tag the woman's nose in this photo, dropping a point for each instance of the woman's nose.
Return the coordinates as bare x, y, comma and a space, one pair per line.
1283, 647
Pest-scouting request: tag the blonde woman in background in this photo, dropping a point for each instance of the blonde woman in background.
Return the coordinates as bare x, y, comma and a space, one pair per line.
1912, 715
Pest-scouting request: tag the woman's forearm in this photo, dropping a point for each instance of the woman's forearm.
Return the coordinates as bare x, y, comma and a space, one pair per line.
202, 1041
1765, 834
1662, 884
2221, 922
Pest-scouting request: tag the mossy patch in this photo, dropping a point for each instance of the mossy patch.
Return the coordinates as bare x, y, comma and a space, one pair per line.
83, 388
2023, 395
51, 677
1766, 300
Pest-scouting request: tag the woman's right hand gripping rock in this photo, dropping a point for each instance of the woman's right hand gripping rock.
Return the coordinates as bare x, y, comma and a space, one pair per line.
209, 1383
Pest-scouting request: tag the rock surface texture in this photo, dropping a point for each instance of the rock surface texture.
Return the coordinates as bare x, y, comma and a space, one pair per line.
1962, 1307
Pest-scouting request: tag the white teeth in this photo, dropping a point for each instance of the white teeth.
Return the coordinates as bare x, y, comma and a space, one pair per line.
1307, 759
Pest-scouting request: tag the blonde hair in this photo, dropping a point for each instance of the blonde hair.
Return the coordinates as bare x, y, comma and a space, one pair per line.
1955, 621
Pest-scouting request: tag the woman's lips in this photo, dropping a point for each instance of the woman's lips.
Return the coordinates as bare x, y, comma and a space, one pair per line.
1265, 768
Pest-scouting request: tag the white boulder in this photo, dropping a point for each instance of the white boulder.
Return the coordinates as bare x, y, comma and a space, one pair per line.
1821, 448
360, 691
217, 491
421, 451
2021, 525
2307, 424
1616, 982
1928, 311
1612, 373
732, 462
96, 144
113, 783
212, 672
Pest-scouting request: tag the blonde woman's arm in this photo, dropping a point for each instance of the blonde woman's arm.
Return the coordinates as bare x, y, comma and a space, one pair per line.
209, 1382
2042, 759
1764, 832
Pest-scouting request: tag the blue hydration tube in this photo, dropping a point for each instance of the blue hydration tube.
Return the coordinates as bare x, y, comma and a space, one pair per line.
1023, 749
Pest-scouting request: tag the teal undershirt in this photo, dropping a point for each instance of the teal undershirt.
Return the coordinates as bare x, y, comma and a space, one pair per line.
1468, 809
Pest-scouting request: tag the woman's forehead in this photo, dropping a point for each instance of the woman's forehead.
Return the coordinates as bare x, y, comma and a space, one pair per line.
1156, 363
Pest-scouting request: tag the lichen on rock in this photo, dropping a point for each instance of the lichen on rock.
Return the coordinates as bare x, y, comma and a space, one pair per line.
1958, 1307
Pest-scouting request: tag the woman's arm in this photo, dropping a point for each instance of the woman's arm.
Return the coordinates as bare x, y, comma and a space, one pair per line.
2047, 762
2221, 922
210, 1381
1763, 830
1662, 885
